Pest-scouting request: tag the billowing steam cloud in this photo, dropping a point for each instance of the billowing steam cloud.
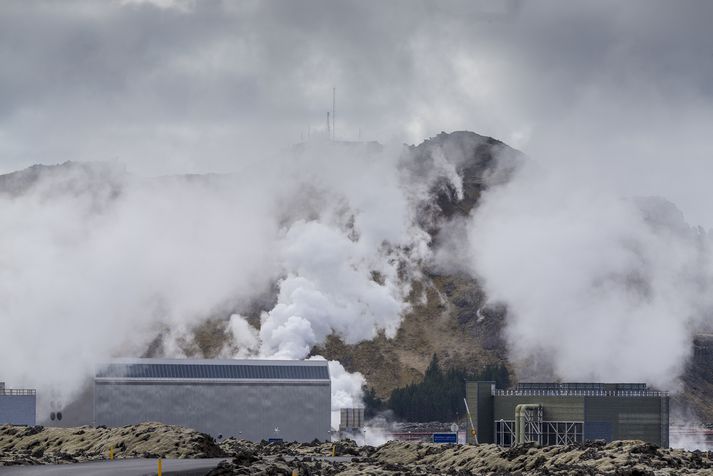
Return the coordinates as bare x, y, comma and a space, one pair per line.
96, 262
599, 285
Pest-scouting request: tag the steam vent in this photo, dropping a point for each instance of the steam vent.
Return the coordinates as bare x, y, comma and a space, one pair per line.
564, 413
248, 399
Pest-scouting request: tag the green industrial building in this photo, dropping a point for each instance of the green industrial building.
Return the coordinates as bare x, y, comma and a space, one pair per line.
565, 413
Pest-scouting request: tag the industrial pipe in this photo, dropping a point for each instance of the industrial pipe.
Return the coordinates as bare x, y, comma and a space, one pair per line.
520, 411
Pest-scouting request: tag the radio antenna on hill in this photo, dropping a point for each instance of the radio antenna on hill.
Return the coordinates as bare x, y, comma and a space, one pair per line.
334, 112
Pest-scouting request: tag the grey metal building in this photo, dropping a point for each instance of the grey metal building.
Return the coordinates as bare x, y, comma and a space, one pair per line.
351, 419
250, 399
563, 413
17, 406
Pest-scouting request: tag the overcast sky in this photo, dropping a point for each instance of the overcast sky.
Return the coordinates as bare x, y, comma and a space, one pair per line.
622, 90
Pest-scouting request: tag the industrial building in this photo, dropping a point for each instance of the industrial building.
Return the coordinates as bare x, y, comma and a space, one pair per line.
250, 399
17, 406
351, 423
351, 419
564, 413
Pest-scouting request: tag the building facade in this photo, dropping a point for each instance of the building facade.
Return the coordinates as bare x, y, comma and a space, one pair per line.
564, 413
250, 399
17, 406
351, 419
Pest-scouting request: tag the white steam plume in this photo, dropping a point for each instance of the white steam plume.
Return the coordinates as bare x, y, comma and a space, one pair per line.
329, 288
599, 286
95, 262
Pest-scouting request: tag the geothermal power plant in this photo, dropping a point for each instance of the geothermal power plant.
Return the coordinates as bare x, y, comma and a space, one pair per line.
290, 400
568, 413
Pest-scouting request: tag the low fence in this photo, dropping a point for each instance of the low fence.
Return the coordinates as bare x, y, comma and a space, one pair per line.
579, 393
17, 391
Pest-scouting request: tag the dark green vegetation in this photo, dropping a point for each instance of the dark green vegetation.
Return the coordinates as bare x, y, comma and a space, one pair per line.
439, 397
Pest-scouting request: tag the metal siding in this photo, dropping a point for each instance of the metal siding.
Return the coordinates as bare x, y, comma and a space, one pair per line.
251, 411
18, 409
554, 408
664, 421
480, 402
471, 396
485, 412
212, 371
631, 418
598, 430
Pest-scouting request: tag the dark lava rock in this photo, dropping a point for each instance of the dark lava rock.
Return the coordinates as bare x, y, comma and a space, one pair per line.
32, 430
244, 457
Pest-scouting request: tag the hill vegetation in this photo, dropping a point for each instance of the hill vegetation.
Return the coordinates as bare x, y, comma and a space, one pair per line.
438, 397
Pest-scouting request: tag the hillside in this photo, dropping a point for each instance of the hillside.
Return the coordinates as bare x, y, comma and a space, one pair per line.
452, 321
447, 313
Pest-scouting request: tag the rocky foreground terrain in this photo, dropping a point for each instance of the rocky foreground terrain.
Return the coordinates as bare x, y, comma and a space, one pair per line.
402, 458
38, 445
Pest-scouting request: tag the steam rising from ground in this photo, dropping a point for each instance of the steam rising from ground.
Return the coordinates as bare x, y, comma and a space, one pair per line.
599, 285
96, 262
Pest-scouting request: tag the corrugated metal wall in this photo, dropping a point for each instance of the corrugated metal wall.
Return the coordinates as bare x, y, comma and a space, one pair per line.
301, 411
554, 408
630, 418
17, 409
605, 417
351, 418
480, 402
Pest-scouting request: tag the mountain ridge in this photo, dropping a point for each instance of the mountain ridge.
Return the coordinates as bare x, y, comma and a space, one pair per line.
448, 315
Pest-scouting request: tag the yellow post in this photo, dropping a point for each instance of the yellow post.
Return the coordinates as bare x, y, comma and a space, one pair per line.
111, 454
294, 472
160, 470
334, 451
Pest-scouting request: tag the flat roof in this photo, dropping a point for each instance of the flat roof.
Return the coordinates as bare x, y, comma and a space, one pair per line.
213, 369
580, 386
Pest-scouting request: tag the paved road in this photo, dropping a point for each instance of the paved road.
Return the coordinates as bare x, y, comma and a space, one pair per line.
120, 467
134, 467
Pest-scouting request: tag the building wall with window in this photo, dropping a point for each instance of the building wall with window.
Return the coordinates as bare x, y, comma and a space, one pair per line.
251, 399
565, 413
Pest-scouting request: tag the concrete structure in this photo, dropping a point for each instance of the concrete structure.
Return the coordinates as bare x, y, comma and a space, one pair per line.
351, 419
17, 406
563, 413
251, 399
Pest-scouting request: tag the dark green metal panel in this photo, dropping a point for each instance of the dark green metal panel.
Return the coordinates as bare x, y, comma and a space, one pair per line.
664, 422
480, 401
619, 415
631, 418
553, 408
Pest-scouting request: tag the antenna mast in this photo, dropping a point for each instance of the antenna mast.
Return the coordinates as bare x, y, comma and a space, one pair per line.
334, 112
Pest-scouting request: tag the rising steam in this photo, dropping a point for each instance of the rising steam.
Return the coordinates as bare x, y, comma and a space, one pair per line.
96, 262
599, 285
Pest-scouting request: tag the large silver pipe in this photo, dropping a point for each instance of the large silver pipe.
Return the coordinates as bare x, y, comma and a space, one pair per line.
520, 411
